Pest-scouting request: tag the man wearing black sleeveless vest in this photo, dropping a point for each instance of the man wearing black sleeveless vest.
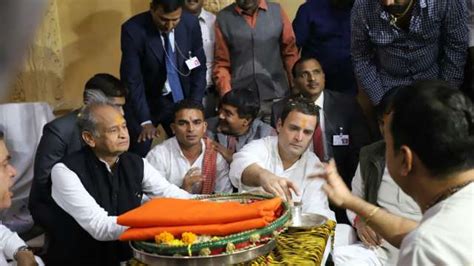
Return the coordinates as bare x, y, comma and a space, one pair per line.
95, 185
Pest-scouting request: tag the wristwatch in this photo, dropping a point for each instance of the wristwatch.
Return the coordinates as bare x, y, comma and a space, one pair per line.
22, 248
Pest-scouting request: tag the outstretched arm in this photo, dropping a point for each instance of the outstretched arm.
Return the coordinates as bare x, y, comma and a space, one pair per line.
256, 176
391, 227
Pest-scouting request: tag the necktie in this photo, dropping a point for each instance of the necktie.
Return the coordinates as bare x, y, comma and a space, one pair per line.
171, 70
318, 143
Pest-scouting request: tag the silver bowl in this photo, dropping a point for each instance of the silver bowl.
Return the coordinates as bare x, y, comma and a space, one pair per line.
304, 221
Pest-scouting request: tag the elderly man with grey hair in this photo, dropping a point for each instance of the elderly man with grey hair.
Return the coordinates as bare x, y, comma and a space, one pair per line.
62, 137
93, 186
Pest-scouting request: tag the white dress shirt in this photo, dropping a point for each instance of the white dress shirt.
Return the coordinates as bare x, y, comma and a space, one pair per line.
207, 21
322, 123
167, 87
393, 199
69, 193
264, 152
171, 163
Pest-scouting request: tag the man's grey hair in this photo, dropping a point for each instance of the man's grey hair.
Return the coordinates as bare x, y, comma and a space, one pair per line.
92, 99
86, 119
95, 96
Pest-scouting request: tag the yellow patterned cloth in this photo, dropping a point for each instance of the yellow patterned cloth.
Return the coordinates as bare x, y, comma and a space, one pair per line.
305, 247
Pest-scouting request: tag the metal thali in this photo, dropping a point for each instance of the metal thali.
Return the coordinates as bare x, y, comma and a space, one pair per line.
221, 259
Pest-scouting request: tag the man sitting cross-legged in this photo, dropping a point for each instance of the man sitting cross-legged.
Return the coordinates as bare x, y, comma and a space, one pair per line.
189, 160
95, 185
282, 165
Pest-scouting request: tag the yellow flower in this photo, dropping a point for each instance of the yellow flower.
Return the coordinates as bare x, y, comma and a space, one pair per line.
205, 252
188, 238
175, 242
164, 238
230, 248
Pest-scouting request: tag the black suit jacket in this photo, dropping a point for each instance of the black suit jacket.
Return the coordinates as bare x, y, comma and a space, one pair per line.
60, 137
340, 110
143, 66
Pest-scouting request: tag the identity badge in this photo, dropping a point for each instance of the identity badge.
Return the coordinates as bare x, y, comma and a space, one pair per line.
192, 63
340, 140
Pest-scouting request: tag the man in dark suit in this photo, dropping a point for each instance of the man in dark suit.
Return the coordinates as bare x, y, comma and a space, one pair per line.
343, 128
62, 137
163, 62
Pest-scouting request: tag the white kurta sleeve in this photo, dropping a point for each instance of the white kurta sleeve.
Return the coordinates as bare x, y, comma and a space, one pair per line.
155, 185
69, 193
223, 184
358, 190
157, 159
253, 152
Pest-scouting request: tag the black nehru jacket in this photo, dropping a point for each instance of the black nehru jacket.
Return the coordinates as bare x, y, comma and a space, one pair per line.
116, 192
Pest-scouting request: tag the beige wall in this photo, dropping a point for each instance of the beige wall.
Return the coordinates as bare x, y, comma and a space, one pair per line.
76, 40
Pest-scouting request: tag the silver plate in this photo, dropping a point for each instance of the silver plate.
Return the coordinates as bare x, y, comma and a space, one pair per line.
222, 259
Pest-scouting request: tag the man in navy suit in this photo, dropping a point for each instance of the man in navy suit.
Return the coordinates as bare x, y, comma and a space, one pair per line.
163, 62
343, 128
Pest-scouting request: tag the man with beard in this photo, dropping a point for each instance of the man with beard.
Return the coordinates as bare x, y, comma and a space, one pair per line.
93, 186
207, 21
323, 31
237, 123
189, 160
395, 42
283, 165
255, 46
342, 129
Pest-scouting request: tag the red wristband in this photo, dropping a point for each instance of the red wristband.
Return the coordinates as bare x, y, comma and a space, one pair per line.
356, 219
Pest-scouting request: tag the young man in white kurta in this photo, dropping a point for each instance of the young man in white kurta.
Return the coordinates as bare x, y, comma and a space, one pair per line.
282, 165
264, 152
180, 159
170, 161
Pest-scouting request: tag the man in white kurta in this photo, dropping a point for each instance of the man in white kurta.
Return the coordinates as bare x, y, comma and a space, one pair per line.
282, 165
182, 159
393, 199
104, 130
169, 160
429, 149
264, 152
